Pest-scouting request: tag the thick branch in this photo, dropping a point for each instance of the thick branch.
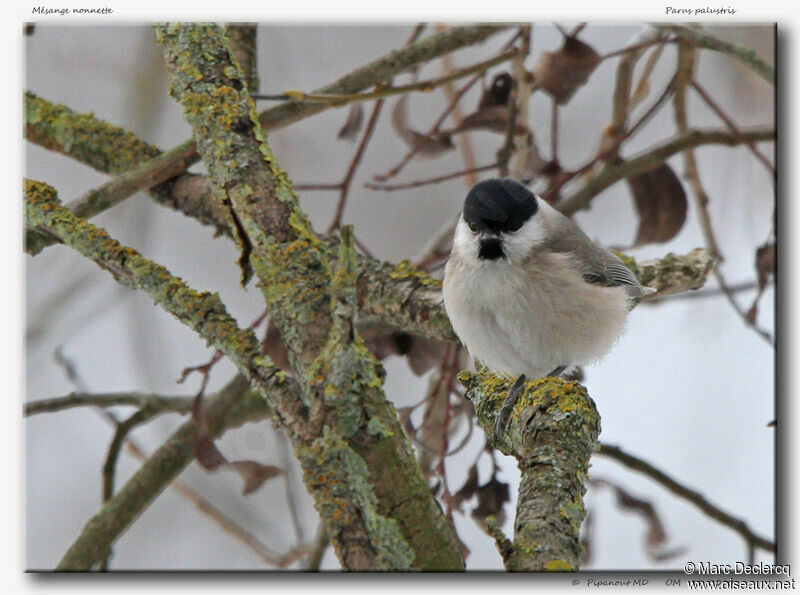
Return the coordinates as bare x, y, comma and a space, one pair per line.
355, 453
551, 432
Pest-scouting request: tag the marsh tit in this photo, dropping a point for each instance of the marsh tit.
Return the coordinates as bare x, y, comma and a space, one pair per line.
527, 292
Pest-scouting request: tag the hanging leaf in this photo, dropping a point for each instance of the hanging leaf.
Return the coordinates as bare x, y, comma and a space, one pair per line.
655, 538
494, 119
661, 203
352, 126
765, 264
211, 458
491, 498
560, 74
422, 144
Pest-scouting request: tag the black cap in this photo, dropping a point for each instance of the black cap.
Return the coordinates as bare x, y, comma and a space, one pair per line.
499, 205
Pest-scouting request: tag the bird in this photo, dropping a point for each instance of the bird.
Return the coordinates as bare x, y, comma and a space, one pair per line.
527, 292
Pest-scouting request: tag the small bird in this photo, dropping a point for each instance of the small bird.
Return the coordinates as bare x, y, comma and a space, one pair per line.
527, 292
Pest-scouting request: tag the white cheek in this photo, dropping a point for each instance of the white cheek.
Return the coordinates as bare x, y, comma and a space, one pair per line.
518, 245
464, 241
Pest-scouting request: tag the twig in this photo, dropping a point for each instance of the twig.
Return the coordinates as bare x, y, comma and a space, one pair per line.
521, 138
702, 39
437, 124
321, 544
683, 78
651, 158
696, 498
427, 181
148, 174
382, 92
730, 123
154, 402
110, 465
225, 523
348, 178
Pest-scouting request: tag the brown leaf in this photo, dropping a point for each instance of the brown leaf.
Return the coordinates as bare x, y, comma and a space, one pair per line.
422, 144
468, 490
211, 458
661, 203
493, 118
655, 537
491, 498
254, 474
765, 264
352, 126
563, 72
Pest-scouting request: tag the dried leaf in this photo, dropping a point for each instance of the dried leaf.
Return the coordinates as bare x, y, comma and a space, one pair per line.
422, 354
254, 474
211, 458
352, 126
765, 264
491, 498
468, 490
656, 536
661, 203
562, 73
422, 144
493, 118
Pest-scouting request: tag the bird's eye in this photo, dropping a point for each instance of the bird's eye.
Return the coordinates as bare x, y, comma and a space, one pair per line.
513, 225
473, 225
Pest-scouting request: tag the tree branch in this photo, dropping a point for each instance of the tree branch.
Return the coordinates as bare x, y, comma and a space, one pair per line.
373, 525
637, 464
702, 39
653, 157
551, 432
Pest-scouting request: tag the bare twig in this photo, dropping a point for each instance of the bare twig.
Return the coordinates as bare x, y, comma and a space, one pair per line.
348, 178
381, 92
656, 155
702, 39
434, 180
686, 55
730, 124
696, 498
154, 402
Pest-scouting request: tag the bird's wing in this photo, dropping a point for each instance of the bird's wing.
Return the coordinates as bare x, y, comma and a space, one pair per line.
608, 269
597, 265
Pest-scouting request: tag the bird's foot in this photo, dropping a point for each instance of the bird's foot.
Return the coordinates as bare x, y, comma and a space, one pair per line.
514, 393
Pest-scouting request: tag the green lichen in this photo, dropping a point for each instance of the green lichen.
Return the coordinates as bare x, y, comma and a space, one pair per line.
83, 137
558, 566
202, 311
405, 270
375, 427
574, 513
340, 476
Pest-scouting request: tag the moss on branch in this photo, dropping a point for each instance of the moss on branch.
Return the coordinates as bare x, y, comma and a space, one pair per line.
552, 431
311, 296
